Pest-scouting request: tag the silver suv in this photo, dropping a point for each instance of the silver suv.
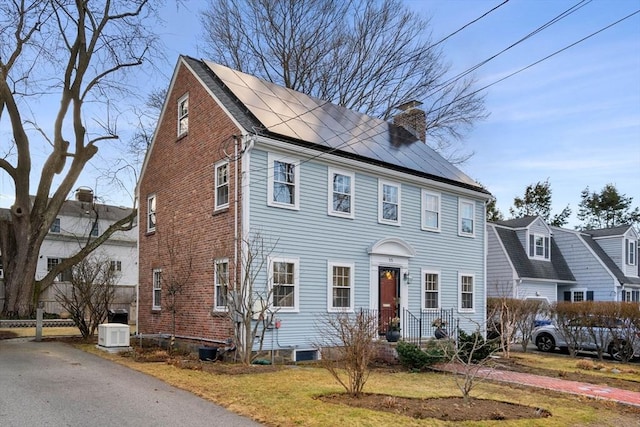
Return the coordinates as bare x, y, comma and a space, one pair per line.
620, 340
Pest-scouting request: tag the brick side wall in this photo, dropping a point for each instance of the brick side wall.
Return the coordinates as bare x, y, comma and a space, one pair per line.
181, 174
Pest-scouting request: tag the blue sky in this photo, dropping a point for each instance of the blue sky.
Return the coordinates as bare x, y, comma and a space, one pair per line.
573, 119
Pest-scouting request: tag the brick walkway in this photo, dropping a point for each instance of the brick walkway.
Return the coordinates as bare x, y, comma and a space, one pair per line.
573, 387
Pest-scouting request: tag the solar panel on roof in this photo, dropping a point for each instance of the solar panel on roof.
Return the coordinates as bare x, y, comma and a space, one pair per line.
295, 115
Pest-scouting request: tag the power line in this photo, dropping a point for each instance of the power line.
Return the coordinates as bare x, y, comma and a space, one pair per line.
469, 23
541, 28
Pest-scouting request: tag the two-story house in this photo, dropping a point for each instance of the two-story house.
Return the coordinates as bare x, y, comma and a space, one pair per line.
352, 212
604, 263
527, 258
77, 221
523, 260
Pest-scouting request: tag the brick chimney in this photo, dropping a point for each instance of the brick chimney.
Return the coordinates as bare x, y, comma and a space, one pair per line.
412, 119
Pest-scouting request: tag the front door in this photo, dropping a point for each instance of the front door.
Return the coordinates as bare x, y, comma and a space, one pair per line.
389, 292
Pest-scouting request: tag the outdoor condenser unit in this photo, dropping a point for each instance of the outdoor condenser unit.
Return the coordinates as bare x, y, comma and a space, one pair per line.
113, 335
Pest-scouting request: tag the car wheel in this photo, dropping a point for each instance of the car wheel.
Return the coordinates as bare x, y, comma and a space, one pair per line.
545, 342
620, 351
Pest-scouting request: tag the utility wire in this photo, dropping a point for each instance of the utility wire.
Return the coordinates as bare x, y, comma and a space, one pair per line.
469, 23
355, 140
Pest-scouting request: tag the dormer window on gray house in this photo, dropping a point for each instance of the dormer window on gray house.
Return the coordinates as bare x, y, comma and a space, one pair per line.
539, 246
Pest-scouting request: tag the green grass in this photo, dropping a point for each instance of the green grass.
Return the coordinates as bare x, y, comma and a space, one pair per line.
287, 397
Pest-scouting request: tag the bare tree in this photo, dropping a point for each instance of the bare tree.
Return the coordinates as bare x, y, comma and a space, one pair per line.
470, 357
92, 290
74, 54
366, 55
250, 305
347, 347
177, 274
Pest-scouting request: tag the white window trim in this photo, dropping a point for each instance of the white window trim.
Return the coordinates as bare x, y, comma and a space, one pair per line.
330, 211
154, 306
218, 207
216, 263
574, 291
381, 219
183, 98
462, 202
296, 285
153, 196
271, 158
631, 253
473, 292
330, 307
546, 240
423, 216
423, 272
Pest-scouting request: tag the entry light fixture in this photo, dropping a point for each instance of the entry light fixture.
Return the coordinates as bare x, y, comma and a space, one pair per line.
407, 278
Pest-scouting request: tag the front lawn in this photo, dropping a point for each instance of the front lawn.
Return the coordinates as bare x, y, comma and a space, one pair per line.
293, 396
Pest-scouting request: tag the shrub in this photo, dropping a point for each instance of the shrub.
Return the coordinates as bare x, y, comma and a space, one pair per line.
416, 359
474, 348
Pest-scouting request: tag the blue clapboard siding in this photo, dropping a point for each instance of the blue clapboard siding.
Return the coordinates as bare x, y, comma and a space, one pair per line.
314, 237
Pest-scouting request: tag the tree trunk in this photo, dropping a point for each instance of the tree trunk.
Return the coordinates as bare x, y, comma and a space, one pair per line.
19, 263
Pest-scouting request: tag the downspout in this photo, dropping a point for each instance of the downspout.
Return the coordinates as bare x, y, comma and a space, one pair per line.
235, 209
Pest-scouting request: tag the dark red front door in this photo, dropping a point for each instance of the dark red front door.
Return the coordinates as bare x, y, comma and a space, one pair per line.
389, 287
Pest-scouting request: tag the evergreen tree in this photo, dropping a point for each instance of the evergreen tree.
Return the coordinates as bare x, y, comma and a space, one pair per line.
606, 209
537, 202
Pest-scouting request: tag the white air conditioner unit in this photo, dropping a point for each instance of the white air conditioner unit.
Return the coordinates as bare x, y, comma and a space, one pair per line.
113, 335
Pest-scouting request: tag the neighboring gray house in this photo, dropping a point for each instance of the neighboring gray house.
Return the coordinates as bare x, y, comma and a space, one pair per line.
604, 263
523, 260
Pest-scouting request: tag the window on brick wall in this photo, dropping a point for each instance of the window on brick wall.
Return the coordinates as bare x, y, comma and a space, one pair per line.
222, 185
221, 279
157, 289
151, 213
183, 115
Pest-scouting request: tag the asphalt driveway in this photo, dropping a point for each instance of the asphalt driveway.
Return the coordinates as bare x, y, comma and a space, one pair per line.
53, 384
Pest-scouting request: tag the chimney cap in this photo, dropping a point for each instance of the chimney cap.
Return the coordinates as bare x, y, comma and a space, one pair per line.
84, 194
409, 105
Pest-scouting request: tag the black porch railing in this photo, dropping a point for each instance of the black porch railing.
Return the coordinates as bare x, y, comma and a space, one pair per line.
423, 325
418, 327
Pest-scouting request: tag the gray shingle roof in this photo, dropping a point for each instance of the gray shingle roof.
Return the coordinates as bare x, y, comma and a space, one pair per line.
275, 111
606, 232
523, 222
526, 267
611, 265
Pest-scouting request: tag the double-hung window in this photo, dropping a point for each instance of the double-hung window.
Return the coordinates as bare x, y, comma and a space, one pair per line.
341, 188
55, 226
151, 213
431, 289
340, 288
285, 287
539, 246
630, 251
388, 202
430, 211
221, 278
222, 185
157, 289
466, 292
284, 182
466, 217
115, 266
65, 275
183, 115
95, 229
